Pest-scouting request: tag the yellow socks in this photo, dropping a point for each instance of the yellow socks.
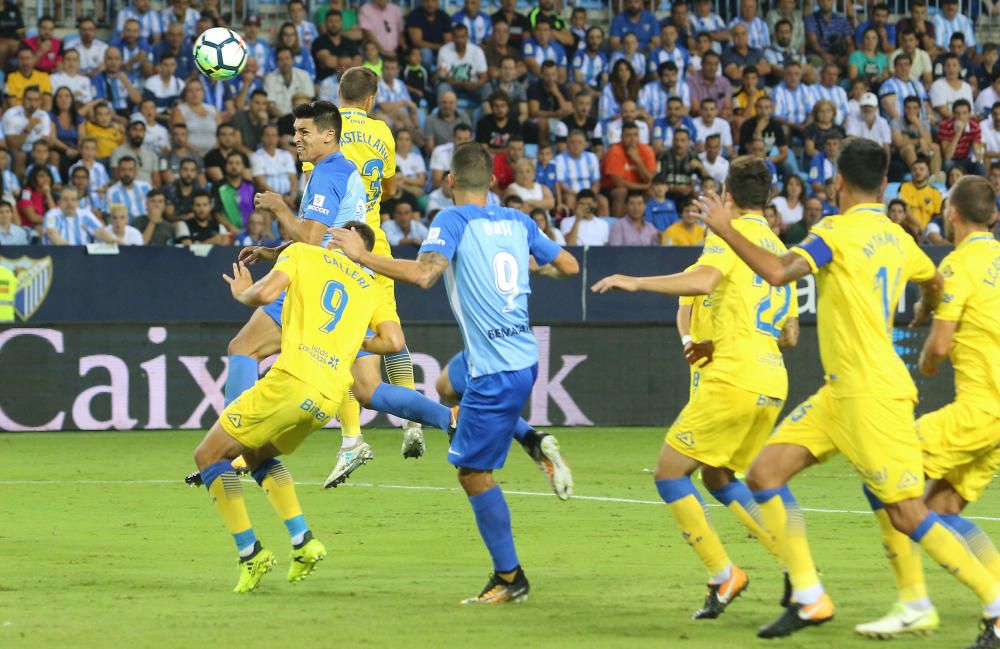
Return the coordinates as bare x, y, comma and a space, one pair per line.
227, 493
902, 553
689, 512
279, 488
738, 499
951, 554
783, 518
349, 415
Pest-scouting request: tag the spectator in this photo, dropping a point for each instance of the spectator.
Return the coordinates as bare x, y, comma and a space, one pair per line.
628, 166
178, 45
829, 37
71, 78
24, 125
498, 48
66, 226
912, 138
227, 139
669, 50
745, 99
712, 161
428, 29
923, 199
10, 185
917, 23
258, 231
120, 231
85, 42
590, 63
870, 125
164, 87
635, 20
440, 125
507, 83
404, 228
541, 219
630, 52
624, 86
792, 100
180, 13
532, 193
250, 123
299, 18
518, 24
991, 136
984, 71
576, 170
868, 61
949, 89
542, 47
739, 53
89, 199
112, 84
582, 119
898, 213
709, 124
153, 226
949, 21
478, 24
966, 64
829, 88
137, 55
150, 20
688, 231
148, 164
393, 101
987, 97
583, 228
180, 192
441, 156
634, 229
680, 18
461, 67
26, 76
629, 113
920, 61
709, 84
495, 130
332, 46
821, 125
812, 212
757, 29
789, 203
663, 130
40, 156
823, 165
896, 89
274, 168
547, 103
660, 211
705, 20
411, 170
129, 191
11, 29
234, 195
179, 151
257, 47
382, 22
879, 21
438, 200
545, 167
36, 197
504, 161
97, 173
11, 234
958, 136
773, 219
680, 167
201, 227
546, 12
655, 95
285, 82
786, 10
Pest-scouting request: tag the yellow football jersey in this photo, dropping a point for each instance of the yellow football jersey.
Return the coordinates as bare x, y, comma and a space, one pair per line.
701, 313
862, 262
328, 308
972, 298
745, 314
924, 202
368, 143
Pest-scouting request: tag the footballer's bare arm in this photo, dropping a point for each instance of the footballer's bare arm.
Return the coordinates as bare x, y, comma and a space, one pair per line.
424, 272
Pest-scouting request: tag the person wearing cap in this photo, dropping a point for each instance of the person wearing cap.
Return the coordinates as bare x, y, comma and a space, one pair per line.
256, 47
146, 161
870, 125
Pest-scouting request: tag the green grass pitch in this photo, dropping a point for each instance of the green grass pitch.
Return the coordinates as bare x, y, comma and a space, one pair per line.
101, 545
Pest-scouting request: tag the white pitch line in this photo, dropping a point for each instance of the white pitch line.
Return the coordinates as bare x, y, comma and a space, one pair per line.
372, 485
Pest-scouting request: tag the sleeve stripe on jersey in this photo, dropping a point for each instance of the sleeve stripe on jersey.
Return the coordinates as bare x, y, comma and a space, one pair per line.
815, 251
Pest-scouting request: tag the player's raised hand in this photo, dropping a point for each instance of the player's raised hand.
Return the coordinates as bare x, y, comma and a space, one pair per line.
268, 201
615, 282
926, 368
241, 279
349, 241
250, 255
696, 351
716, 211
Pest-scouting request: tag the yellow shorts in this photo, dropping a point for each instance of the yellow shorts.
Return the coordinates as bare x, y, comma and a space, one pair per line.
877, 436
960, 444
389, 286
279, 409
723, 426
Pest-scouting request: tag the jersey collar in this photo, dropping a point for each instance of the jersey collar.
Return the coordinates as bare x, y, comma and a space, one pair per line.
979, 236
866, 209
756, 218
347, 111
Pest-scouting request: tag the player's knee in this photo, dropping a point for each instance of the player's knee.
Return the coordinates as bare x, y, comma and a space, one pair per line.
445, 392
944, 500
204, 456
474, 481
715, 478
907, 515
758, 480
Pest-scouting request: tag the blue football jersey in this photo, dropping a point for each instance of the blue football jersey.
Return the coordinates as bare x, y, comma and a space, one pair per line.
487, 281
334, 194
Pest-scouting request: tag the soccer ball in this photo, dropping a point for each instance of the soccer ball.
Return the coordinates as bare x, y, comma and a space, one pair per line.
220, 53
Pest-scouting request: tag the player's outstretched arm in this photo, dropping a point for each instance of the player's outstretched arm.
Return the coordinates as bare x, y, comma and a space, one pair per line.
700, 280
774, 269
265, 291
563, 266
424, 272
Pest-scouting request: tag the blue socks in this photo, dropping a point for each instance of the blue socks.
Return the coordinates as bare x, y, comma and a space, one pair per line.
409, 404
673, 490
243, 371
736, 492
493, 519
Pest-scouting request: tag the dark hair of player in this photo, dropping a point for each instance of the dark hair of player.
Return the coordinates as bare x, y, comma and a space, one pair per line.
365, 231
974, 198
358, 85
472, 167
862, 164
325, 114
749, 182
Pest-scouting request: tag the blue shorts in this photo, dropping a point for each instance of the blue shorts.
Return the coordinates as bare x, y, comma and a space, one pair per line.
274, 310
458, 373
489, 412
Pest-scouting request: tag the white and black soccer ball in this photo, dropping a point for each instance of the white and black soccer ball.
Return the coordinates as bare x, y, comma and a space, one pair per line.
220, 53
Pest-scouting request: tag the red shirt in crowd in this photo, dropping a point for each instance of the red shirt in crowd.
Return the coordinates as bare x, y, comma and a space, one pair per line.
503, 170
971, 135
48, 62
616, 163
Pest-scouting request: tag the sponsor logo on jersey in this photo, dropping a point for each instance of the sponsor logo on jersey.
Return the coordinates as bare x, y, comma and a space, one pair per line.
317, 204
434, 237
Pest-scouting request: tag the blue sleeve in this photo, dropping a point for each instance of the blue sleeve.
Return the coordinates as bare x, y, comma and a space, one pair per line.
325, 196
444, 234
817, 249
543, 249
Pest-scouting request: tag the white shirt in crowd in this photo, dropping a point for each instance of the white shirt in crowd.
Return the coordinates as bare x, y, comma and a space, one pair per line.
718, 169
462, 68
15, 122
789, 215
394, 234
718, 127
592, 232
412, 165
943, 94
441, 156
879, 131
78, 84
614, 131
275, 169
132, 237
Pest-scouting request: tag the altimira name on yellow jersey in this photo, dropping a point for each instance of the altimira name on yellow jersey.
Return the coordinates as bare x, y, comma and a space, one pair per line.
972, 298
368, 143
862, 262
330, 304
747, 314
